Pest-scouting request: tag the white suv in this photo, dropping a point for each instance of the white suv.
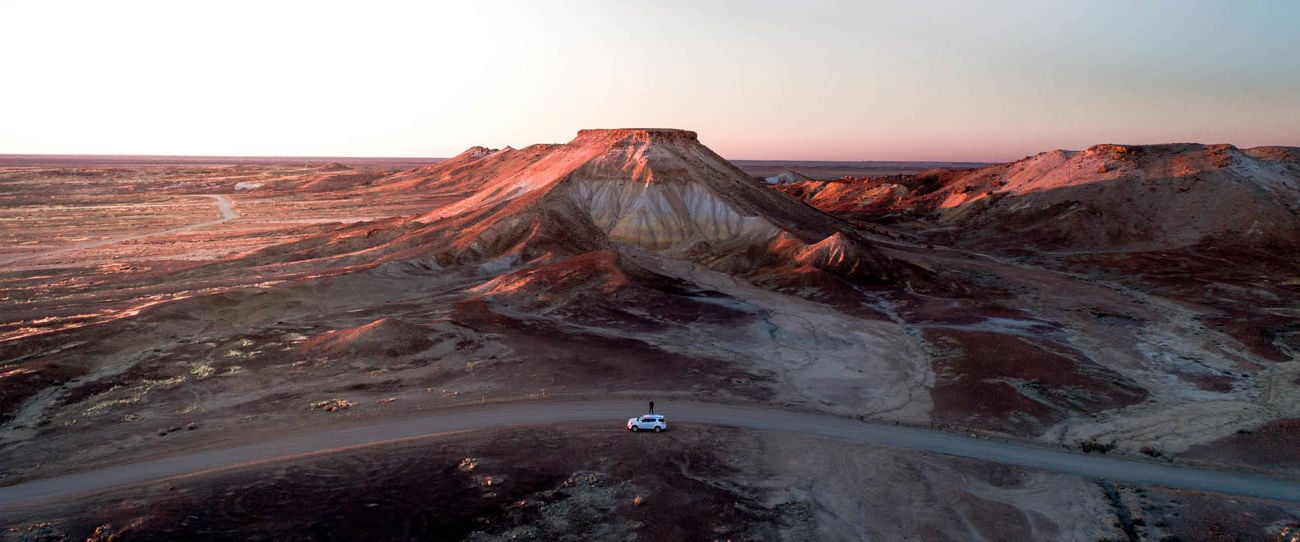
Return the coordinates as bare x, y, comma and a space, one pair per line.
653, 422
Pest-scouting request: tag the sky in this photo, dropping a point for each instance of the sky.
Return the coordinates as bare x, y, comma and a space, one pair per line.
812, 80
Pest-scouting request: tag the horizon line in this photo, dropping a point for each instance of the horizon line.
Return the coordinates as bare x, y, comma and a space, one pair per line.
8, 156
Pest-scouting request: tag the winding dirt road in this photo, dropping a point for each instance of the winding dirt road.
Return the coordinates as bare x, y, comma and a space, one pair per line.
683, 416
224, 206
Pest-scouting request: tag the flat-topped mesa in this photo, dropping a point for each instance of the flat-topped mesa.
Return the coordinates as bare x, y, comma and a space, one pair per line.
657, 134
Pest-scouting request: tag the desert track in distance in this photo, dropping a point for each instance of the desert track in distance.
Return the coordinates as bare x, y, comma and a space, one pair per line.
224, 206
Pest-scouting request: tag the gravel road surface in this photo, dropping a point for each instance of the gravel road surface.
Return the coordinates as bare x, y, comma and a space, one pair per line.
682, 416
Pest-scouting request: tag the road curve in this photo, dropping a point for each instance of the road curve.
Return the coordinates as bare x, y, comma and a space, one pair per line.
498, 416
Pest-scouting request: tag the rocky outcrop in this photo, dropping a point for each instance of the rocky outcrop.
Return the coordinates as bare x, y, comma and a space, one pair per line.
839, 254
388, 337
786, 177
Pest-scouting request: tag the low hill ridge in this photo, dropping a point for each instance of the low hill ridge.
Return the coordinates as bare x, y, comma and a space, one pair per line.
1107, 197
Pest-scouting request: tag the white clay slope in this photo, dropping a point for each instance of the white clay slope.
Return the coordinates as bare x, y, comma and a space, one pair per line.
667, 217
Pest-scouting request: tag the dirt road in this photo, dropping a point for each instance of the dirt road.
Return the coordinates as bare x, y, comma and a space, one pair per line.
224, 206
682, 416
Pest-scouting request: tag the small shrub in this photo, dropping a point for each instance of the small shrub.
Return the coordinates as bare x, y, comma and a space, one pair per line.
1148, 450
1091, 445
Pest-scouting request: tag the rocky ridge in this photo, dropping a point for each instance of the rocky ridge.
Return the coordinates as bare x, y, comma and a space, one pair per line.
1108, 197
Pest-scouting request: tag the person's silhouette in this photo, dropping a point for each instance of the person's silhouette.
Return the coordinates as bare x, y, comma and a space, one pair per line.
652, 407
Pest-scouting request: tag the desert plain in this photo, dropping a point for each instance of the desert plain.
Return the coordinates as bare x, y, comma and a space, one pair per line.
311, 317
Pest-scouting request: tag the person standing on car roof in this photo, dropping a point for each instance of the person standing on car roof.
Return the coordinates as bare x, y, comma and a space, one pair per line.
652, 407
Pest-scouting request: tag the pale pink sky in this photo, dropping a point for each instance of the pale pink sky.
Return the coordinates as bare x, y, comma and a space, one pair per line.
757, 79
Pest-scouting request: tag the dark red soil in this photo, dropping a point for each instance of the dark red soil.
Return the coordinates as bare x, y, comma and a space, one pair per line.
991, 405
384, 337
596, 289
923, 309
1259, 332
1193, 517
553, 358
822, 287
975, 382
1239, 280
1272, 444
1208, 382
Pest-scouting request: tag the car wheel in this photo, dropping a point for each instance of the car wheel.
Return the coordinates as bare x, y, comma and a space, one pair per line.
634, 428
657, 429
